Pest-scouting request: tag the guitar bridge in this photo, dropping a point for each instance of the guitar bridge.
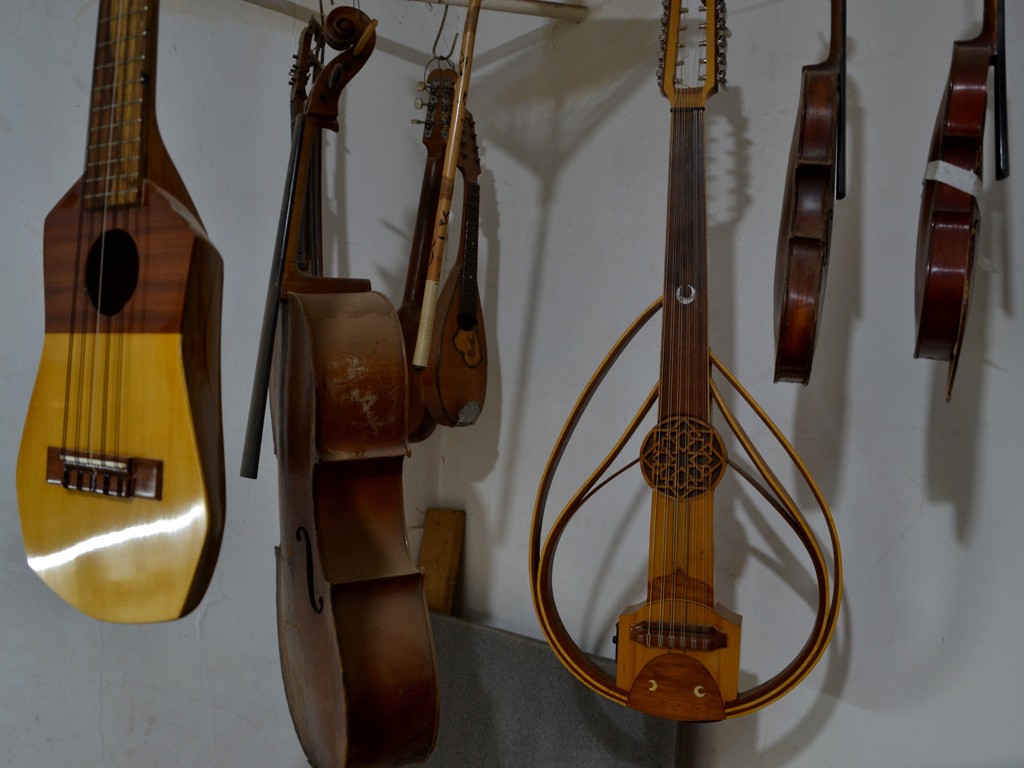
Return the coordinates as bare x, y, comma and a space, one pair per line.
118, 476
678, 637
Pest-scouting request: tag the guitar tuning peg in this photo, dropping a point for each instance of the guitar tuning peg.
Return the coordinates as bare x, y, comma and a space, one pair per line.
419, 103
421, 86
416, 121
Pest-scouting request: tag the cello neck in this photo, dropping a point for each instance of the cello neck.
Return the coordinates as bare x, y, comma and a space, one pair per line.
121, 106
684, 343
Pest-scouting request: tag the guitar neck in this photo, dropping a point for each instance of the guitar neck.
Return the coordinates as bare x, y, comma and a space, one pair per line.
684, 346
121, 106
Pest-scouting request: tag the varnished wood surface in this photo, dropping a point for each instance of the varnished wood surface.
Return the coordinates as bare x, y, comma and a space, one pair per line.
454, 383
949, 217
360, 675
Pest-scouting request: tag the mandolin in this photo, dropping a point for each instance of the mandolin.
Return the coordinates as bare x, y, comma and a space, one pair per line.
678, 650
440, 90
815, 180
439, 236
949, 220
357, 656
455, 379
121, 471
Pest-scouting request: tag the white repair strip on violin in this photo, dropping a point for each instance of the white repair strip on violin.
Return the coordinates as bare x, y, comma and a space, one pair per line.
953, 176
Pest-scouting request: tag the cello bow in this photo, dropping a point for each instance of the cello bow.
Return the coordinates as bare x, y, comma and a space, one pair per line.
950, 217
815, 180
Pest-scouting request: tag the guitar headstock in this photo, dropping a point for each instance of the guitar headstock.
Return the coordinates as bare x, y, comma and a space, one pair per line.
440, 88
469, 152
692, 61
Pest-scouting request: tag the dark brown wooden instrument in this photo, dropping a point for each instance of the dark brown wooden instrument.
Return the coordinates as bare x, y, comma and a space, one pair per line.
950, 218
440, 89
121, 469
816, 178
455, 379
678, 651
357, 656
422, 350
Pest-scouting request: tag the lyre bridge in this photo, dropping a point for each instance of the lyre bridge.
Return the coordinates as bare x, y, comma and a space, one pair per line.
678, 637
118, 476
683, 457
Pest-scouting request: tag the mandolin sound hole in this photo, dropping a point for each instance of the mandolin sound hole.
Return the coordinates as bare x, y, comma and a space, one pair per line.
112, 271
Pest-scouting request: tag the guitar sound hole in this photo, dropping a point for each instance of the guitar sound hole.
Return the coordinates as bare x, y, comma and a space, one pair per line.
112, 271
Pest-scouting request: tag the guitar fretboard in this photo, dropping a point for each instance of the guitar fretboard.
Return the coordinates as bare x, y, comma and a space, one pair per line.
121, 88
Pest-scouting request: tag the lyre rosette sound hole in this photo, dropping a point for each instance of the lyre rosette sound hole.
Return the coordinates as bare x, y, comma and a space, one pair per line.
683, 457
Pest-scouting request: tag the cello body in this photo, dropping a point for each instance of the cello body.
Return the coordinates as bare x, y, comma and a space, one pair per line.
357, 656
356, 650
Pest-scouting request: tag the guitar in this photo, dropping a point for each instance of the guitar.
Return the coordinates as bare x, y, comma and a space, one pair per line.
121, 470
949, 220
440, 89
357, 656
455, 379
678, 651
816, 178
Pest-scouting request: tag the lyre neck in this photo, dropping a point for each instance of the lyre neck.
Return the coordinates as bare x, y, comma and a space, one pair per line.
685, 359
124, 73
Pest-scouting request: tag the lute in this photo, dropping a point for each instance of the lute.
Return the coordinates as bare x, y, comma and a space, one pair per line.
121, 469
678, 650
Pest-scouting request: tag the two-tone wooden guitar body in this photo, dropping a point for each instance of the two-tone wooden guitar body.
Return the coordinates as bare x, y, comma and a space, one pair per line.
120, 473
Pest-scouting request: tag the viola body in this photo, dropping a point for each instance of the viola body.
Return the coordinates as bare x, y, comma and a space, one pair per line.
949, 219
357, 656
801, 266
121, 469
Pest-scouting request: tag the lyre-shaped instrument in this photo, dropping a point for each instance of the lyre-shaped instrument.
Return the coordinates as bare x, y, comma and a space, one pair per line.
678, 652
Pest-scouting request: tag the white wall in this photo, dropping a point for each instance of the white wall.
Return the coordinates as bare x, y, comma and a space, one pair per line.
925, 668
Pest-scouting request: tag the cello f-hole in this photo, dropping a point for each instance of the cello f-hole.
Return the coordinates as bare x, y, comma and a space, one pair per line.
316, 602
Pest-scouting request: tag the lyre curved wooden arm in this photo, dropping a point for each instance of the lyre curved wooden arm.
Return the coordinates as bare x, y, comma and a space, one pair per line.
543, 549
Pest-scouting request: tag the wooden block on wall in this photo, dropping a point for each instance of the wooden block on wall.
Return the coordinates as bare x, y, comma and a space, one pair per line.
440, 553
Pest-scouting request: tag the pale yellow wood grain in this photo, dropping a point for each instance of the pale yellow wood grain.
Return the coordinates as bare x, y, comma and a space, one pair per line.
124, 560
